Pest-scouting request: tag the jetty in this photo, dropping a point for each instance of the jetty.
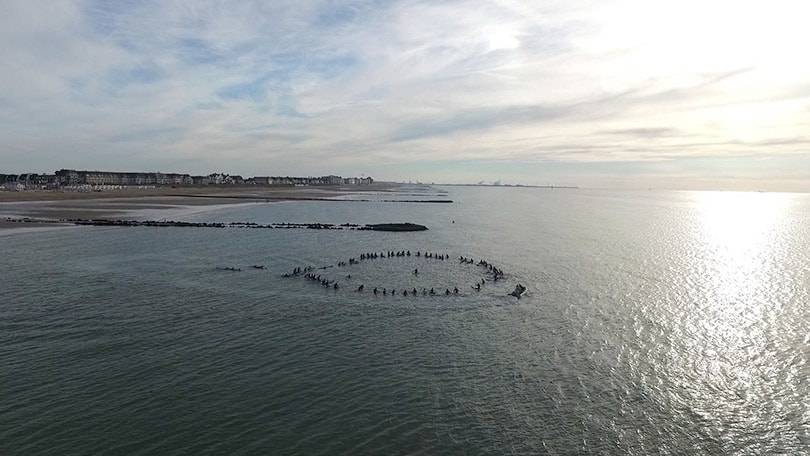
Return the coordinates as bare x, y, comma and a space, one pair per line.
395, 227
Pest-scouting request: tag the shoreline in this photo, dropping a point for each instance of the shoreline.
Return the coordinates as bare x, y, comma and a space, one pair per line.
13, 224
48, 209
212, 191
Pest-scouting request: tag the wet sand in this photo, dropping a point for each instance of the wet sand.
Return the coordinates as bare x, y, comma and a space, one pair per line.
48, 208
259, 192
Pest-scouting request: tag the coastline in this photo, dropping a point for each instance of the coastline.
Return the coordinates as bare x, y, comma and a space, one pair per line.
49, 209
258, 192
14, 224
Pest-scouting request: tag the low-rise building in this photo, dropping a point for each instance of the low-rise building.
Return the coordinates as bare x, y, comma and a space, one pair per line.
260, 180
217, 178
75, 178
13, 186
69, 177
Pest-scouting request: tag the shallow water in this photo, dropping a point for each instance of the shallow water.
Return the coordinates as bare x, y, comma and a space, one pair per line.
656, 323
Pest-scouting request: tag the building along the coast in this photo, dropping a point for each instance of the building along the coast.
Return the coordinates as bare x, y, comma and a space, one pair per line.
69, 177
84, 178
28, 181
258, 180
307, 181
9, 182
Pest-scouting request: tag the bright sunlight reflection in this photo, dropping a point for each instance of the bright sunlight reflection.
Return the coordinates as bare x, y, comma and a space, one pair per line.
739, 232
741, 240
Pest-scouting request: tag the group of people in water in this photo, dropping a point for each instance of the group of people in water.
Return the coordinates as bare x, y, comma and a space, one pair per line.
326, 283
497, 274
297, 271
235, 269
402, 253
412, 292
494, 272
307, 272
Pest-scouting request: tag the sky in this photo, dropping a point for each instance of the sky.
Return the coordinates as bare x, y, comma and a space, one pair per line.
691, 94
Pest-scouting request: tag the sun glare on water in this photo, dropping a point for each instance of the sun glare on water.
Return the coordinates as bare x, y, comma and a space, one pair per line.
738, 222
740, 242
740, 237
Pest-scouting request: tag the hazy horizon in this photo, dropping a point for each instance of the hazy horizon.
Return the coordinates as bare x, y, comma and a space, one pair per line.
597, 94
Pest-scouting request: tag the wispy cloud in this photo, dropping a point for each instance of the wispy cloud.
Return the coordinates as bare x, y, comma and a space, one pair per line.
396, 87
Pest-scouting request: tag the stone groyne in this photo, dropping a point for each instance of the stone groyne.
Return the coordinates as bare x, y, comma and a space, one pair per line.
398, 227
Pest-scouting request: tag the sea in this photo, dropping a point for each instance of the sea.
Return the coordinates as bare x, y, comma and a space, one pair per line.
654, 323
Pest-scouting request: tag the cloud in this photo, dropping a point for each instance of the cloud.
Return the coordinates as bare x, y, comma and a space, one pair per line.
308, 87
644, 133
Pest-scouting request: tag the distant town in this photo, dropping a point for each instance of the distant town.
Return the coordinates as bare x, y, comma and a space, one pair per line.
73, 180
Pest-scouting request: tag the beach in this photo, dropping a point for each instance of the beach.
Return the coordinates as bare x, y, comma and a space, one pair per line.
50, 207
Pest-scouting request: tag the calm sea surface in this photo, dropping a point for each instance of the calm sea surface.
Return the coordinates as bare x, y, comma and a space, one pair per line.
655, 323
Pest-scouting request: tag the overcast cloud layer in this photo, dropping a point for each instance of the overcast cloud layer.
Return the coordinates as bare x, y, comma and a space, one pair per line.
596, 93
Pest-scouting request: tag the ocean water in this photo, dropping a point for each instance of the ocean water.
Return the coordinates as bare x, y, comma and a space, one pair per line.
655, 323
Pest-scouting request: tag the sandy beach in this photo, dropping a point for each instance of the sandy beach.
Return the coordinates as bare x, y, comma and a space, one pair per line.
50, 207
